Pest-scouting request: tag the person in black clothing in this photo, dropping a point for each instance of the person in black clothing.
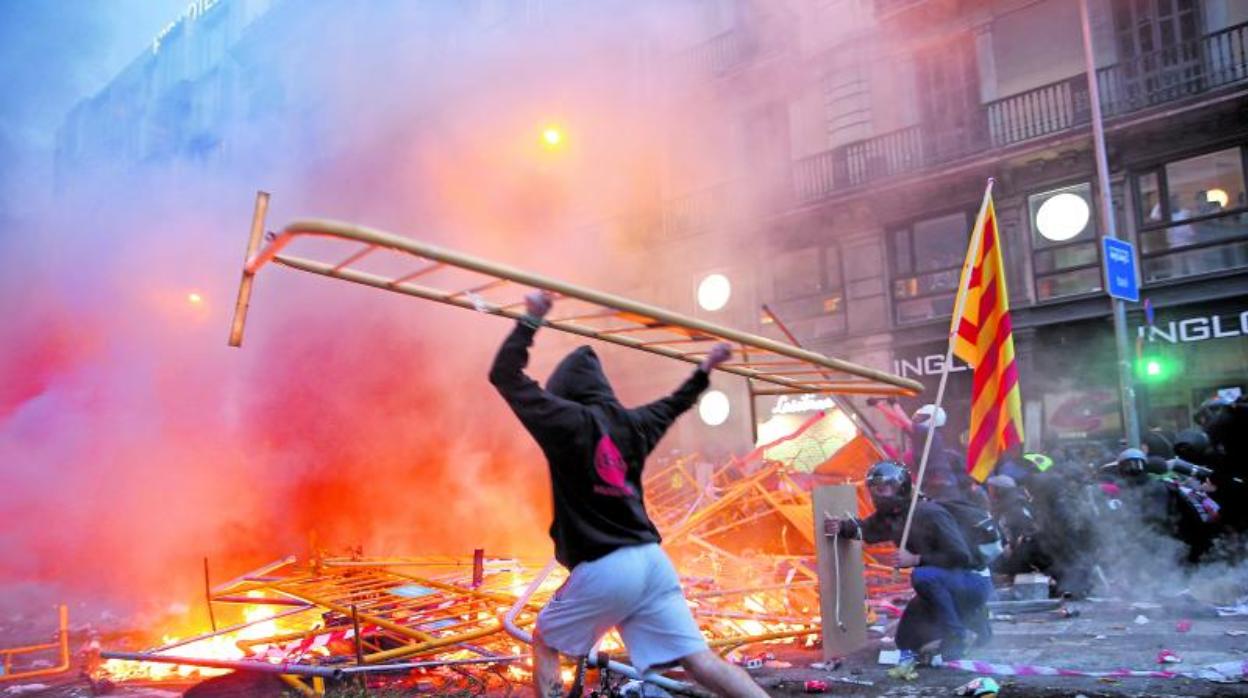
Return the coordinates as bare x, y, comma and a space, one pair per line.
1012, 512
951, 588
595, 449
1065, 503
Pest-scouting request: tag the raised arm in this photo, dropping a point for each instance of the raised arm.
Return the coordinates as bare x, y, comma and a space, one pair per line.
654, 419
537, 409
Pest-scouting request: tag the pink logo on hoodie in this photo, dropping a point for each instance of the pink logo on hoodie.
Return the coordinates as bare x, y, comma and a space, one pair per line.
612, 470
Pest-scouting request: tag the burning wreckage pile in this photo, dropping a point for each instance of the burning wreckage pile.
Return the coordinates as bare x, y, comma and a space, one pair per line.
741, 532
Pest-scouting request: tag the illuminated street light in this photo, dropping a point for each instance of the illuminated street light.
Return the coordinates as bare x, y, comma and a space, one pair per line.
1063, 217
552, 137
194, 298
714, 292
713, 408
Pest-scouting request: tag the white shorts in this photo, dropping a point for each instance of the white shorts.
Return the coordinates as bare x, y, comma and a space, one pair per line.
634, 589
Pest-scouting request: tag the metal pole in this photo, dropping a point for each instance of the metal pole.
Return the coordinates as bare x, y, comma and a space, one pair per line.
212, 618
244, 285
243, 664
846, 406
959, 305
355, 627
1126, 386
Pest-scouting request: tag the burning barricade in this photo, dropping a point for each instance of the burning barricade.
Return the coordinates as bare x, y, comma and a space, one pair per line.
741, 531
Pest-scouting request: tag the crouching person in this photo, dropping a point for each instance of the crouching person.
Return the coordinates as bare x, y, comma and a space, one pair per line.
951, 587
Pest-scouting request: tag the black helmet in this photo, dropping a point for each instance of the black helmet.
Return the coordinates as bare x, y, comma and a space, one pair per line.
890, 487
1159, 443
1131, 463
1193, 445
1215, 416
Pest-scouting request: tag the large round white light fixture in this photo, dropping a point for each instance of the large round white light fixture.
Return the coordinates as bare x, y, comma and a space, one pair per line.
713, 408
1218, 196
1062, 217
714, 291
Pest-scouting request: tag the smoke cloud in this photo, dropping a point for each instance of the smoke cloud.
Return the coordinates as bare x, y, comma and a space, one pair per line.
136, 443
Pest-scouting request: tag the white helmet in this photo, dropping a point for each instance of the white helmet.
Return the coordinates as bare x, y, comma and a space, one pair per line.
924, 415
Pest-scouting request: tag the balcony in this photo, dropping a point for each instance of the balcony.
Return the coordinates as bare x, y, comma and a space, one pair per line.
1213, 62
700, 210
721, 53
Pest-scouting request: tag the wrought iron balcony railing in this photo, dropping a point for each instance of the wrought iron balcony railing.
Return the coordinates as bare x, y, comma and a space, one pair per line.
1214, 61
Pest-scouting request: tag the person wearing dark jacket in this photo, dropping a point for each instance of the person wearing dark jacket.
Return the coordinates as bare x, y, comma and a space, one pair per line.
619, 577
1019, 530
951, 587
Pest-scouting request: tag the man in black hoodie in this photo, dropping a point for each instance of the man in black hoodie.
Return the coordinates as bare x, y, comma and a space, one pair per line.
595, 449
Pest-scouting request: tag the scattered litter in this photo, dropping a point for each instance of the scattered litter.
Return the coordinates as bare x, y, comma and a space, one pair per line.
1239, 609
889, 657
1237, 633
1223, 672
1168, 657
1183, 626
23, 689
848, 680
982, 687
778, 664
1145, 606
815, 686
1100, 637
1003, 617
904, 672
1141, 619
830, 665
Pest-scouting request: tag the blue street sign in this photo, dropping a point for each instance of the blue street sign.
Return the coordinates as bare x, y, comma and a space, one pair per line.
1120, 277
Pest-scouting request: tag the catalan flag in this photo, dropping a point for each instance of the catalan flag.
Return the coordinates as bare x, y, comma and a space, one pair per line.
984, 339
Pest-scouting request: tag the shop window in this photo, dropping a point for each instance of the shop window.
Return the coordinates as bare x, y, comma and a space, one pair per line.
927, 260
1065, 255
1193, 216
809, 292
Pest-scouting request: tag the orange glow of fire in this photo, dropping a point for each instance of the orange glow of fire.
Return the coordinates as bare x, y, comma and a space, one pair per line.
217, 647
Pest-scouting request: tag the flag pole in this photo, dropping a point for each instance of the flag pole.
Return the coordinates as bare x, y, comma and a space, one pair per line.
959, 305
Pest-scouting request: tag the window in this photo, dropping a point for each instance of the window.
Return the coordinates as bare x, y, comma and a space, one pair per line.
1193, 216
927, 259
809, 291
1064, 242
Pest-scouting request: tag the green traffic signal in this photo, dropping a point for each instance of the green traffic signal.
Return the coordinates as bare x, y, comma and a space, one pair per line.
1153, 368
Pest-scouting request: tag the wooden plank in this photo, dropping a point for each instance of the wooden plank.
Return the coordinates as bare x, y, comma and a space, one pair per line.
842, 584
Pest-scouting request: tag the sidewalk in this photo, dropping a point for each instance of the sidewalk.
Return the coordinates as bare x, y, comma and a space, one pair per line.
1104, 636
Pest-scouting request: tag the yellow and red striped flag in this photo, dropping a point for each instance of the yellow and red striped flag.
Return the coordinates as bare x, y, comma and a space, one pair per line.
984, 339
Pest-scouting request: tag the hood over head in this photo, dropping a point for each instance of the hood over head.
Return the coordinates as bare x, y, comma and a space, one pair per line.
579, 378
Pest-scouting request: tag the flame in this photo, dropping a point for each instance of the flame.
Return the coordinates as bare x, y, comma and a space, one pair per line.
216, 647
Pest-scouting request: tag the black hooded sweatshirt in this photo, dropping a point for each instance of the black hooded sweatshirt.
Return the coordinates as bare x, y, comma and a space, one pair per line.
595, 447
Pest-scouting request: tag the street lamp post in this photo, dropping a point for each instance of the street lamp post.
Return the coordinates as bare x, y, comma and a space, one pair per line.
1126, 387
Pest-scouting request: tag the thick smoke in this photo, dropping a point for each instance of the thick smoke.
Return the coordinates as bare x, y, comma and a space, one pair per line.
136, 443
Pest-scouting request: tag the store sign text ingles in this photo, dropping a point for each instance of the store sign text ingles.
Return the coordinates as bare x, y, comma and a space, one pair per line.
930, 365
1197, 329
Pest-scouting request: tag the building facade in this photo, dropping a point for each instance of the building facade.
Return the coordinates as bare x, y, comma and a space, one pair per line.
876, 124
828, 158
